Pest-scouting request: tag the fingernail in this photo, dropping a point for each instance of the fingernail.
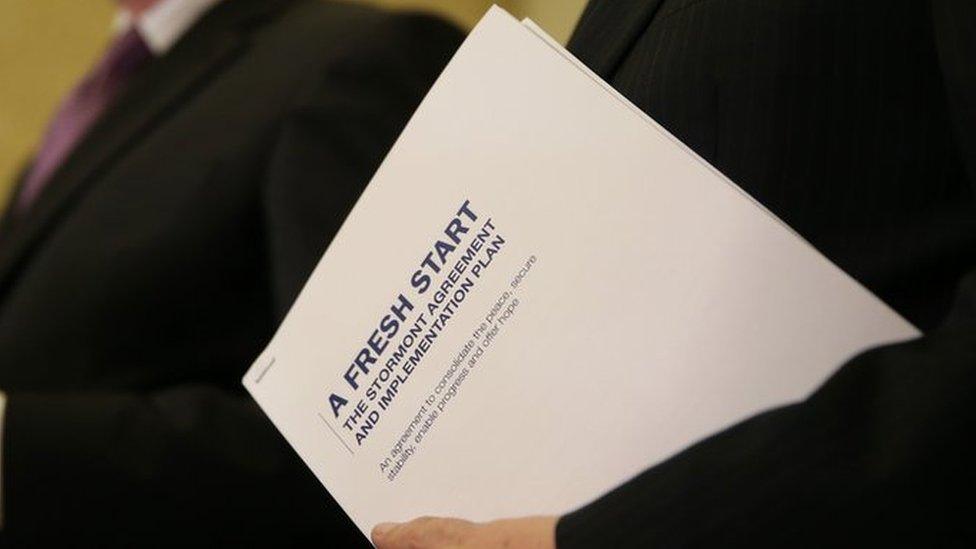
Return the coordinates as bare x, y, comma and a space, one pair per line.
383, 529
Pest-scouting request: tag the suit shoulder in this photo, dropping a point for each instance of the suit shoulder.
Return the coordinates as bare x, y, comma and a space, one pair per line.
331, 27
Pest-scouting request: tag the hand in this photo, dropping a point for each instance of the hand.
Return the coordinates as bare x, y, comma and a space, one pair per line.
441, 533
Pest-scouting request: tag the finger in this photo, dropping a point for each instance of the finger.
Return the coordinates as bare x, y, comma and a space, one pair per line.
422, 533
381, 533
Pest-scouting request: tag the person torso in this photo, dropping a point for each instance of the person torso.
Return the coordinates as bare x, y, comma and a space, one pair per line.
831, 113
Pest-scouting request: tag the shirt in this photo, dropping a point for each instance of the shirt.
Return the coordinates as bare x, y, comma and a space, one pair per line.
162, 25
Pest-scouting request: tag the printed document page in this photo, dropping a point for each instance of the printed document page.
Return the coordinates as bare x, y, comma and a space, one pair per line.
541, 294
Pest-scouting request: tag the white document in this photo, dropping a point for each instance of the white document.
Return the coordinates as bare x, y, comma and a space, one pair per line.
541, 294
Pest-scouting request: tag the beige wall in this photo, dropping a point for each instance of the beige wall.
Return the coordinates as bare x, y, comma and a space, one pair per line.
46, 45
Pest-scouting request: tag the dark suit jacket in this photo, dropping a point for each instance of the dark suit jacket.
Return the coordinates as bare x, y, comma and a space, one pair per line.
855, 122
156, 264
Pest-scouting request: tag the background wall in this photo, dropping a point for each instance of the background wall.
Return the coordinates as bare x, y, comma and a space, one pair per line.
47, 45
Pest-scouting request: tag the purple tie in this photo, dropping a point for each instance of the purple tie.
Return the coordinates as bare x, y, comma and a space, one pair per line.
81, 110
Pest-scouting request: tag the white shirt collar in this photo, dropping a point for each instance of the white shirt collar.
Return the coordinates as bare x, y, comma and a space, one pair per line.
162, 25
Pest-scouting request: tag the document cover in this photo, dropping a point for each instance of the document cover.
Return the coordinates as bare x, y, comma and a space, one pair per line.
541, 294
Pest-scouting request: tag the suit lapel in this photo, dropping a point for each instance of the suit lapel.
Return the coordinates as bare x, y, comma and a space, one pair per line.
608, 30
152, 95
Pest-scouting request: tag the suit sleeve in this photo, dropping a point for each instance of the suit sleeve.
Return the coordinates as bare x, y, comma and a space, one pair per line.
202, 462
882, 454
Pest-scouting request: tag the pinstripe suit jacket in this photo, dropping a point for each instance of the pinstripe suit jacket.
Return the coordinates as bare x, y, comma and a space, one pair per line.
854, 121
